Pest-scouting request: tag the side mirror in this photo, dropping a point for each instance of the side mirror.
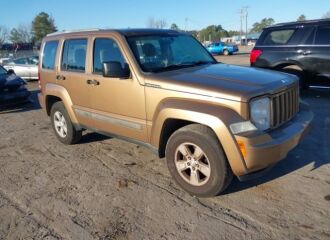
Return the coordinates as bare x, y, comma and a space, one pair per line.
10, 71
115, 69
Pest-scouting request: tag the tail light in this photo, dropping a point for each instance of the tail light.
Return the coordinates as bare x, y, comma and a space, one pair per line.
39, 80
255, 53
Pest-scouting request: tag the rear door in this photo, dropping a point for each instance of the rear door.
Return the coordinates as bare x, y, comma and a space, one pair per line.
33, 68
72, 76
276, 47
321, 53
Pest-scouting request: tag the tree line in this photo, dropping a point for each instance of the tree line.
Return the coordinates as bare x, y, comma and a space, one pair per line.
217, 32
41, 25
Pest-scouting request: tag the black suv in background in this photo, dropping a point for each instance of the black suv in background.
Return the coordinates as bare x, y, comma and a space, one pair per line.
301, 48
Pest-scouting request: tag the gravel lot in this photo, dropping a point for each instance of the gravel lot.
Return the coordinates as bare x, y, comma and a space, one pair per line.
105, 188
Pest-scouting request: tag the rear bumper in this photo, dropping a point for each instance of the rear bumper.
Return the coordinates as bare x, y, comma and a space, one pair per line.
263, 150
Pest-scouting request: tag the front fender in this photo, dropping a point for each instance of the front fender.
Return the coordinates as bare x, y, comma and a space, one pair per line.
62, 93
216, 117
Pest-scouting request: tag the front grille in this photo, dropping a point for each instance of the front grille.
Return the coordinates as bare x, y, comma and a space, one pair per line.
285, 106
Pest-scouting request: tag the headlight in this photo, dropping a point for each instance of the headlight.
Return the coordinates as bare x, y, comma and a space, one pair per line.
260, 113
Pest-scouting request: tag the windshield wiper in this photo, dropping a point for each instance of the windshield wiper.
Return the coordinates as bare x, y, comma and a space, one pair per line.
174, 66
182, 65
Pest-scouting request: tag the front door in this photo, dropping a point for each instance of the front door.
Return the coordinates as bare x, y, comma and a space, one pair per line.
118, 104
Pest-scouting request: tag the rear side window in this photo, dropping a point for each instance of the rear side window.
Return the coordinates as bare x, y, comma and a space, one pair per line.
49, 54
323, 36
278, 37
74, 55
20, 61
105, 50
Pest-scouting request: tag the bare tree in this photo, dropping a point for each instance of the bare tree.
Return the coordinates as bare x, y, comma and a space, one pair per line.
156, 23
326, 15
3, 34
21, 34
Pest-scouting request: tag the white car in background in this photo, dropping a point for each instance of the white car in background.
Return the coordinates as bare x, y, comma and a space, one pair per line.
26, 68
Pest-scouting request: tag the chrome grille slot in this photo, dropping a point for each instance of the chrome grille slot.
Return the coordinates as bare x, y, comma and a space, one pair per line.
285, 106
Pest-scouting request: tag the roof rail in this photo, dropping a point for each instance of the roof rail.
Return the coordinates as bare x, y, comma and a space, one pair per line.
73, 31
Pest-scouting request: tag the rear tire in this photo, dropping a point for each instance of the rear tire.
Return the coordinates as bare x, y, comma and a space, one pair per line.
62, 125
203, 169
225, 52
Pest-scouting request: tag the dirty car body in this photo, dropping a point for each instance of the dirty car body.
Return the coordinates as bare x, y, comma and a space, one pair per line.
161, 88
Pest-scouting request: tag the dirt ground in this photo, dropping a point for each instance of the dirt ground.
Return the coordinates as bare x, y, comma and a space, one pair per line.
105, 188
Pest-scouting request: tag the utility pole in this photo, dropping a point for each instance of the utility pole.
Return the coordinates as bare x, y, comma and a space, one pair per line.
246, 24
241, 29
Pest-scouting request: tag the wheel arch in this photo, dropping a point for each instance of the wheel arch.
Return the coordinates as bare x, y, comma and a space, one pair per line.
176, 114
55, 93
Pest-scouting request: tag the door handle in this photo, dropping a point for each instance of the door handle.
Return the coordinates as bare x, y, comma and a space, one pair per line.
307, 52
302, 52
92, 82
60, 77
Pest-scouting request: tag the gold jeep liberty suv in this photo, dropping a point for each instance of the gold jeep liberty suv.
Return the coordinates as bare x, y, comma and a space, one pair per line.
162, 89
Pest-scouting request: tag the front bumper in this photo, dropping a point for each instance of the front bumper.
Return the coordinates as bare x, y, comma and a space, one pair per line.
8, 98
264, 149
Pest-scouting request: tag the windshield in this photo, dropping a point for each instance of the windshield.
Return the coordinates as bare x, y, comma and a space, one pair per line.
2, 70
165, 52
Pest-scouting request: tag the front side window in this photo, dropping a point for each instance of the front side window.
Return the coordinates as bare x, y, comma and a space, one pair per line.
164, 52
20, 61
323, 36
49, 54
105, 50
74, 55
278, 37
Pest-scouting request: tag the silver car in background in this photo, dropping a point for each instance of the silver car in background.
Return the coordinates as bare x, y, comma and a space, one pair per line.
26, 68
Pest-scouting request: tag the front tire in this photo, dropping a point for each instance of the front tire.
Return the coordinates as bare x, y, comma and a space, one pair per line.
226, 52
197, 162
62, 125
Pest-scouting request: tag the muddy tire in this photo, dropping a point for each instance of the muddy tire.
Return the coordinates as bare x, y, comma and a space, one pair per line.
197, 161
62, 125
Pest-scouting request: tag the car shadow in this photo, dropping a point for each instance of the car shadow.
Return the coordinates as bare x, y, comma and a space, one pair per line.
93, 137
31, 104
314, 149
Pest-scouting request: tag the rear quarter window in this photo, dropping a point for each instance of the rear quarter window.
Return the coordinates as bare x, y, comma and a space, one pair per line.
278, 37
323, 35
49, 54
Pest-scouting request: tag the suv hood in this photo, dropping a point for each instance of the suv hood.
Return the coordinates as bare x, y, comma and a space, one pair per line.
223, 81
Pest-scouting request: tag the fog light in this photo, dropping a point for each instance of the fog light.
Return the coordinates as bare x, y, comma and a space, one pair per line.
241, 127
